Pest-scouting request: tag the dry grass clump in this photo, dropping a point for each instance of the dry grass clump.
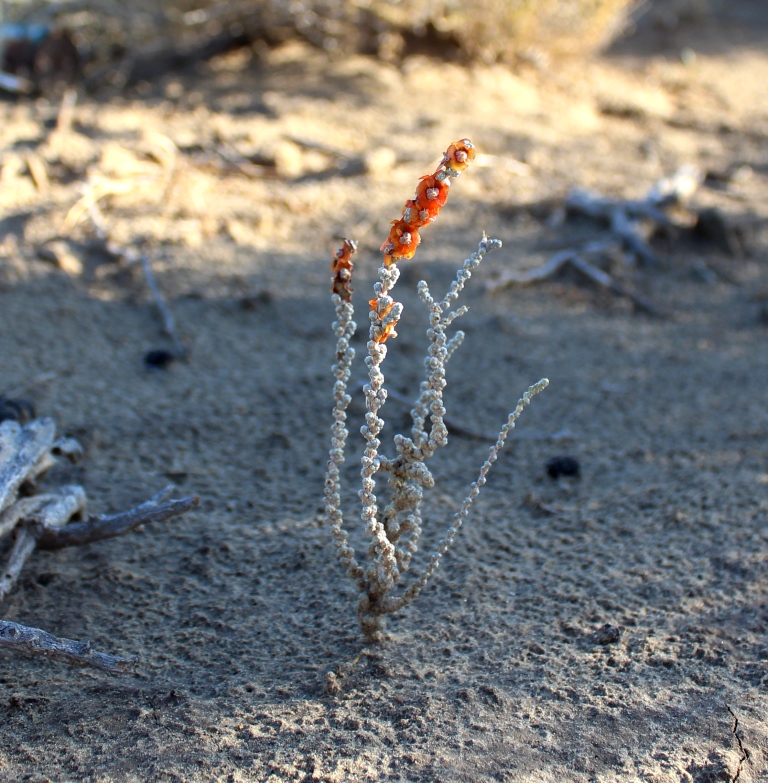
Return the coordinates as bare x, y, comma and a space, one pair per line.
505, 29
484, 30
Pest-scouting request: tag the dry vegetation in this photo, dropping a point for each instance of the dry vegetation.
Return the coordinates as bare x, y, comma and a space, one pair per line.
487, 30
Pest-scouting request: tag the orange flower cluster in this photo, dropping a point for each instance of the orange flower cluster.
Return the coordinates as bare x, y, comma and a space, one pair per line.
341, 266
425, 206
383, 313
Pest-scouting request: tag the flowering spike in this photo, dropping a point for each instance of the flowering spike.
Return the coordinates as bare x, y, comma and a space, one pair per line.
424, 207
459, 155
430, 197
341, 266
403, 238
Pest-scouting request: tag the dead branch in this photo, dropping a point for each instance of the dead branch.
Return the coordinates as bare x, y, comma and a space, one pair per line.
102, 527
23, 547
575, 258
52, 510
624, 221
34, 641
604, 280
44, 521
132, 256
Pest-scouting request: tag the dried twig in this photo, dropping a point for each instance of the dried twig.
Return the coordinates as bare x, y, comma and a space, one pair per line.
90, 206
66, 110
93, 193
39, 380
34, 641
15, 84
623, 219
575, 257
51, 511
239, 162
43, 521
102, 527
165, 313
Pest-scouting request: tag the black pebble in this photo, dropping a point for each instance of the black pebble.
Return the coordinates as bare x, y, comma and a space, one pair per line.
16, 410
608, 634
159, 359
563, 466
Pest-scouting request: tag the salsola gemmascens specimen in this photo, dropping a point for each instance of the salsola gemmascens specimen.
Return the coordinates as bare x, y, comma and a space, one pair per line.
394, 527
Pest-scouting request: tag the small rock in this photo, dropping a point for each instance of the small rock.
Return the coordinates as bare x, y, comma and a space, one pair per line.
563, 466
688, 56
608, 634
159, 359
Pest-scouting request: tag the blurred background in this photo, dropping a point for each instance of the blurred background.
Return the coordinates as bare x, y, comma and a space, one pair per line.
487, 30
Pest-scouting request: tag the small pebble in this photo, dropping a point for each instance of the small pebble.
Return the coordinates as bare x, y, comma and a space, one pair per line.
159, 359
563, 466
608, 634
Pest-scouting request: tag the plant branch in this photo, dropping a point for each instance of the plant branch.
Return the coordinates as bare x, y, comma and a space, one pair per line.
98, 528
34, 641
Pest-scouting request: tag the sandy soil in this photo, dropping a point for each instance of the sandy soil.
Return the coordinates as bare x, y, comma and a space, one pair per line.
239, 610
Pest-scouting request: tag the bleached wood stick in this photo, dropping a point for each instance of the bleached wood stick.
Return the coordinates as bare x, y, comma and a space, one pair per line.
606, 281
575, 257
12, 515
602, 208
132, 256
165, 312
677, 189
25, 452
22, 450
101, 527
50, 511
548, 268
23, 547
34, 641
627, 230
15, 84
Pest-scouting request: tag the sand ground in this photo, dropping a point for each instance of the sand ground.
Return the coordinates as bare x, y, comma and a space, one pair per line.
239, 175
